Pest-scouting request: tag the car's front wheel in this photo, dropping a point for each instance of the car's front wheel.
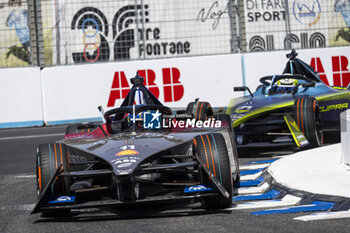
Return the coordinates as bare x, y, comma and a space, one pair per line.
308, 118
212, 151
49, 158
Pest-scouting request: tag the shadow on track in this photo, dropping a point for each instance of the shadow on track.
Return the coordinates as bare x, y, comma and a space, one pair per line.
266, 153
126, 213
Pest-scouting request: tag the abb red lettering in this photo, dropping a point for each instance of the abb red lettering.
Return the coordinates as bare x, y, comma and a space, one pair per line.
120, 88
317, 65
173, 89
150, 77
341, 74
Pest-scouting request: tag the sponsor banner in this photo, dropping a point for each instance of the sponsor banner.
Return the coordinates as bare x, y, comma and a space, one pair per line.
20, 97
123, 30
74, 92
14, 34
332, 64
339, 23
266, 22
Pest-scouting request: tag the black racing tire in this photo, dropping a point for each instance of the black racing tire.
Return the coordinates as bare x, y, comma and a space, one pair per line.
49, 159
212, 151
308, 118
199, 110
80, 128
226, 118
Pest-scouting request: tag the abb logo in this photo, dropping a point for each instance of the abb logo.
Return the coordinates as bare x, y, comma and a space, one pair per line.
172, 88
341, 73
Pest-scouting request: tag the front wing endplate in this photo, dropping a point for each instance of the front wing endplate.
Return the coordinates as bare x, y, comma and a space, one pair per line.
298, 136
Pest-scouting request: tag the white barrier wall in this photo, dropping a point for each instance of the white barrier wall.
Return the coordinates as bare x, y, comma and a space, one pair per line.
331, 63
20, 97
74, 92
345, 136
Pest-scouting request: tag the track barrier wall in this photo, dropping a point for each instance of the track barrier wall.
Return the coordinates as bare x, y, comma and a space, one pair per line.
67, 94
176, 82
345, 136
21, 98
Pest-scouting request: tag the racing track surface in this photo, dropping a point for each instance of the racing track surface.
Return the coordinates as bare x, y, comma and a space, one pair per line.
17, 188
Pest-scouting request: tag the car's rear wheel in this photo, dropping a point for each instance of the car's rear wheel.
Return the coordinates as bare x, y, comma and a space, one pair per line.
49, 158
80, 128
199, 110
308, 118
212, 151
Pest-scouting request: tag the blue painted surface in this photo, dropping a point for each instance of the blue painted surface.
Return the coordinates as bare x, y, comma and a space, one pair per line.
65, 122
314, 206
266, 196
261, 161
21, 124
197, 189
250, 172
249, 183
63, 199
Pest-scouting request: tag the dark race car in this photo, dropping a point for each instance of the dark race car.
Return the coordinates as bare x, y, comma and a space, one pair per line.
294, 108
140, 154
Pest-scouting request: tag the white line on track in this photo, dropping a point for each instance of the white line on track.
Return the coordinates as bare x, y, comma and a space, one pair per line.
288, 200
251, 177
324, 216
252, 190
18, 207
32, 136
253, 166
25, 176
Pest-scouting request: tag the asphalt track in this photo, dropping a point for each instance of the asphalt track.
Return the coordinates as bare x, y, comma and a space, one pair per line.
17, 188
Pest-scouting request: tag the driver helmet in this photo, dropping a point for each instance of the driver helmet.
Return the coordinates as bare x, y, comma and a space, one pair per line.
286, 85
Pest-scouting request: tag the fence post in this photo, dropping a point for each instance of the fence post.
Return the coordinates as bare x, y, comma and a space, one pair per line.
237, 26
241, 22
288, 42
36, 33
32, 31
137, 28
232, 11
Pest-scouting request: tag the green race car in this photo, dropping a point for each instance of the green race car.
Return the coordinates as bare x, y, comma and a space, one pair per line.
293, 108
